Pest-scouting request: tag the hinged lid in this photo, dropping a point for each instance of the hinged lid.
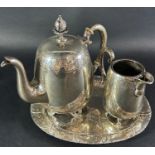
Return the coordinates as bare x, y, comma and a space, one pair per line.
62, 41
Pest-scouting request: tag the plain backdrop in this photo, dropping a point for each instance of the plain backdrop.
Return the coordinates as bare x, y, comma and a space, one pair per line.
131, 34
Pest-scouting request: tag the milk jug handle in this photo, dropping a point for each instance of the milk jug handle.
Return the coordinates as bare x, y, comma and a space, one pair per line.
103, 46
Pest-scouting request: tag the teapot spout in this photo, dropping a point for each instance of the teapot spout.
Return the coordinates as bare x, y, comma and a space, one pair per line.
26, 91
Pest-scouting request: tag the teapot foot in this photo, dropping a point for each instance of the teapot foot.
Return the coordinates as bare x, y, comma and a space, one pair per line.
66, 120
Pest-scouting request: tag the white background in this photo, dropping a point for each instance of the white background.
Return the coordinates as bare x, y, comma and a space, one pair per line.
77, 3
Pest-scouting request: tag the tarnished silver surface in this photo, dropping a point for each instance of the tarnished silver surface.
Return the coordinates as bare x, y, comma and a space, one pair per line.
68, 102
63, 73
125, 88
95, 127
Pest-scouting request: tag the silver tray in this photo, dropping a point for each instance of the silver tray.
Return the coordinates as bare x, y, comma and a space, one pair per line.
95, 127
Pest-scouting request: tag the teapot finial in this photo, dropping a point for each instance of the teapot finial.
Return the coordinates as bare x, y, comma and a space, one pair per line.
60, 29
60, 26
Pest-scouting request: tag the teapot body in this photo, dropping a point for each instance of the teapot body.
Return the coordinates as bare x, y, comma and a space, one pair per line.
64, 73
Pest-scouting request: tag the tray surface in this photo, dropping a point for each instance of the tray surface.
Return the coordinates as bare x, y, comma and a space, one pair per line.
93, 127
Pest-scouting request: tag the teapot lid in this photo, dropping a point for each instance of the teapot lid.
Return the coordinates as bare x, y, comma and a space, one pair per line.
61, 41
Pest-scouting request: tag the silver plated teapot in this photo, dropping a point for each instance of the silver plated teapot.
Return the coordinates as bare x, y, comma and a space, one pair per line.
63, 73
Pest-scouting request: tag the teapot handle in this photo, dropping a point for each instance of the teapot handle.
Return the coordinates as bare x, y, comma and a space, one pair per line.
103, 46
